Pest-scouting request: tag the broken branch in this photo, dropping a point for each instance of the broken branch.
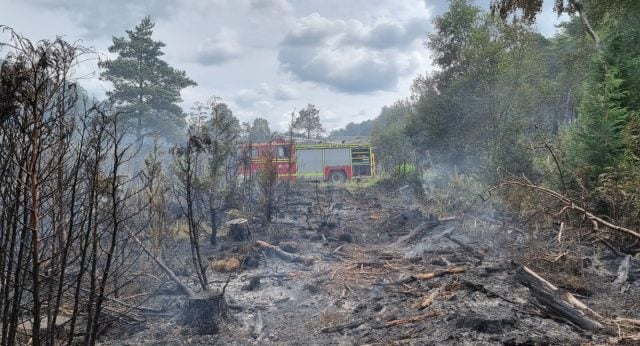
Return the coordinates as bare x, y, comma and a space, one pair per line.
560, 304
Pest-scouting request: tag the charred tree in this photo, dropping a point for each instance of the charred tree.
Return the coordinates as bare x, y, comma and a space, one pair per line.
187, 158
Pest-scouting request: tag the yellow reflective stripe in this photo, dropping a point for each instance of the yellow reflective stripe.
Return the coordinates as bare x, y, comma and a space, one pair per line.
311, 174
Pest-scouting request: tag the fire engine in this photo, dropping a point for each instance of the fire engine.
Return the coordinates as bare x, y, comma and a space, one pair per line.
331, 162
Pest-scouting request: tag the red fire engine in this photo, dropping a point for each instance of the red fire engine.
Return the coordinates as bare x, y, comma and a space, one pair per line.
330, 162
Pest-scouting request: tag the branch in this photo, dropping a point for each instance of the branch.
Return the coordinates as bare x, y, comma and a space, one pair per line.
185, 289
569, 205
585, 21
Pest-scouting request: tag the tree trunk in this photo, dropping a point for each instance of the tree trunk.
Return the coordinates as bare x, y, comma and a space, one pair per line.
214, 218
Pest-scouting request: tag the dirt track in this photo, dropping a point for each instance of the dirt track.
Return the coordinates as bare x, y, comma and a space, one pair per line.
452, 284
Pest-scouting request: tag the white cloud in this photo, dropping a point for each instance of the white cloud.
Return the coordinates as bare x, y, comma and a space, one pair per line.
219, 48
351, 56
99, 18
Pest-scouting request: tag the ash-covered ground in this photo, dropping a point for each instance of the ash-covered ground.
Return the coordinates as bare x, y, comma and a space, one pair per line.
384, 270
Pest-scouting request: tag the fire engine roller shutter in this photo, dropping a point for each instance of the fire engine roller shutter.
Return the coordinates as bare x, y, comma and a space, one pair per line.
337, 157
309, 162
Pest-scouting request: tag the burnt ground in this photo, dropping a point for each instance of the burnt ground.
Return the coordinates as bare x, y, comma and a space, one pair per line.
454, 283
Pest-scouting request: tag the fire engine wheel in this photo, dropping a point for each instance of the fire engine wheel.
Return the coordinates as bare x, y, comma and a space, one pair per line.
337, 177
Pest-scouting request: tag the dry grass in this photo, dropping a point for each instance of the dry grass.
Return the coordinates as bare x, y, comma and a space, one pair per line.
226, 265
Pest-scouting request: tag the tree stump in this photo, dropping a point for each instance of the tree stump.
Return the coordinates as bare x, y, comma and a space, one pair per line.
203, 313
239, 229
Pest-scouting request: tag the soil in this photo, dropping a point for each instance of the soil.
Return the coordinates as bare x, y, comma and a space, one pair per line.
453, 284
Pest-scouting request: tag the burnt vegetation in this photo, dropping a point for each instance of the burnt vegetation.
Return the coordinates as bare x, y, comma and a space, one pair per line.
498, 203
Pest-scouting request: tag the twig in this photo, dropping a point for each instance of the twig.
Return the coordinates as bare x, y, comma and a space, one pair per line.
224, 288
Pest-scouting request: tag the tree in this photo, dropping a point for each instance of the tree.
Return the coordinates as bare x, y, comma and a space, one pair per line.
260, 131
187, 161
388, 135
308, 120
455, 29
527, 11
487, 101
596, 145
145, 88
219, 138
355, 129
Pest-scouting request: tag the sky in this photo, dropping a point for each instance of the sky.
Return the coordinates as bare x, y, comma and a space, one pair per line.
264, 58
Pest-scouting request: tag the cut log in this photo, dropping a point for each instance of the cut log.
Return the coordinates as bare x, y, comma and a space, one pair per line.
289, 257
562, 305
239, 229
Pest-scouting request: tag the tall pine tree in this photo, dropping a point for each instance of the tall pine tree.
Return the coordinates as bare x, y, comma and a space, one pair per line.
145, 87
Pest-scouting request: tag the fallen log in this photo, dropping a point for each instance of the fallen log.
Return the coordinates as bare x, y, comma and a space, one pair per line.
289, 257
562, 305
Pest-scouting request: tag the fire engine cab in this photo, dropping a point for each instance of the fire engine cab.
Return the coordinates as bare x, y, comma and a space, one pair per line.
332, 162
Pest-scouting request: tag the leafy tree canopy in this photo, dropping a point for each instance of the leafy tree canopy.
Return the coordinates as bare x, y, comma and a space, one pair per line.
355, 129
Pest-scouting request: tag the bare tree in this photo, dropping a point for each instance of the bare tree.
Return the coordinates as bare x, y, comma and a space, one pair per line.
267, 180
187, 159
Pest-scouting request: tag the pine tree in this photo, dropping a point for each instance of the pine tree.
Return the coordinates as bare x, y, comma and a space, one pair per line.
145, 87
308, 120
596, 144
